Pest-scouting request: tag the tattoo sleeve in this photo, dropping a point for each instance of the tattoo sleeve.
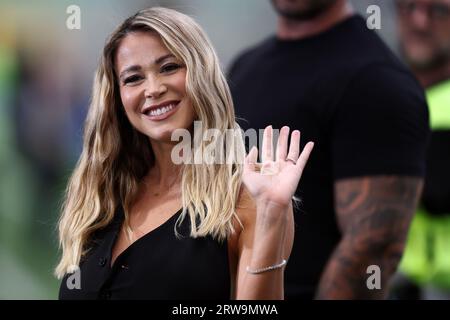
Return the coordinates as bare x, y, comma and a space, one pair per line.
373, 214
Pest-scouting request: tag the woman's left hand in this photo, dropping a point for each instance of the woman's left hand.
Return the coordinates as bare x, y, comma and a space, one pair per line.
275, 181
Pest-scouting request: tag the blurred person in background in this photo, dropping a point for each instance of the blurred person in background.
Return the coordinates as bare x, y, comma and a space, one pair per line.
24, 215
424, 34
326, 73
42, 118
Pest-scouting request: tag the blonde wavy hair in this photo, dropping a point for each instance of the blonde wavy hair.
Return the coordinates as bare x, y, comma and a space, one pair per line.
115, 156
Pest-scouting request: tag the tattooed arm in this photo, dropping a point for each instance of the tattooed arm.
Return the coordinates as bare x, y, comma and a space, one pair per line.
373, 214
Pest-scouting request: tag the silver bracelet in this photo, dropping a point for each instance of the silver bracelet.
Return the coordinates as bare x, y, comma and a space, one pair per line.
269, 268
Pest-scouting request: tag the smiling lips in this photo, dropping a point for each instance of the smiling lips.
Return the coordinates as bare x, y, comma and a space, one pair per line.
161, 111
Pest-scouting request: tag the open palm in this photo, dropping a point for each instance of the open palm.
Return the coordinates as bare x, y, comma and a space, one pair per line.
276, 180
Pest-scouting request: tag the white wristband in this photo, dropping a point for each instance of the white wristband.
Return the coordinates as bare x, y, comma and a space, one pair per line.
265, 269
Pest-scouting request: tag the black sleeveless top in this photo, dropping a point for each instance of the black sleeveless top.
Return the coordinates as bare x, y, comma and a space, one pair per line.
156, 266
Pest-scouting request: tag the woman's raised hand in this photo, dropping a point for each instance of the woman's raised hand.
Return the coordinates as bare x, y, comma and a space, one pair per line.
275, 180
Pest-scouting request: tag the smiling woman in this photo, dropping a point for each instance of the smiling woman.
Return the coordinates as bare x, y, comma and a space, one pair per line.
152, 85
137, 225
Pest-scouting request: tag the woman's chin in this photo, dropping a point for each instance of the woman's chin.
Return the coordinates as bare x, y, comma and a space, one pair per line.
161, 137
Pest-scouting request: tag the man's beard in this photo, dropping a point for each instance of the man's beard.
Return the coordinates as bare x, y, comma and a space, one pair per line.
316, 8
439, 60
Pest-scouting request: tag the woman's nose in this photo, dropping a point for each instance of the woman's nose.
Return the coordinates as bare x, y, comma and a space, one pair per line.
154, 88
420, 18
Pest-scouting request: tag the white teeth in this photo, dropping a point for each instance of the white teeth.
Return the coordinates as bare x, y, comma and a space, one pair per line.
162, 110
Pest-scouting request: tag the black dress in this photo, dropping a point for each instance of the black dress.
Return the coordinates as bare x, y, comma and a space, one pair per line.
156, 266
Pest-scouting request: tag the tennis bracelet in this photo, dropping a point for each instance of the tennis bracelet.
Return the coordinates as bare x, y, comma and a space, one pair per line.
265, 269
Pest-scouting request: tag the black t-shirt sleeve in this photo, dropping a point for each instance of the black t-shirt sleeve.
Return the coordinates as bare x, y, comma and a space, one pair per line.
232, 67
241, 62
380, 125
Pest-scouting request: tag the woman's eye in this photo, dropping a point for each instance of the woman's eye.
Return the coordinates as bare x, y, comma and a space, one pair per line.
132, 79
169, 67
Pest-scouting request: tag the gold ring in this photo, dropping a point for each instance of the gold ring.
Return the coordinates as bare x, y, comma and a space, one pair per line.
291, 160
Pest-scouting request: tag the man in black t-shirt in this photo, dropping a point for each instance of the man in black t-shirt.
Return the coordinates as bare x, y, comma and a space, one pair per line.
327, 75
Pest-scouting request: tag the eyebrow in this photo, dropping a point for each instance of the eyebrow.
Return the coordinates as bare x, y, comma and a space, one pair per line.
137, 67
